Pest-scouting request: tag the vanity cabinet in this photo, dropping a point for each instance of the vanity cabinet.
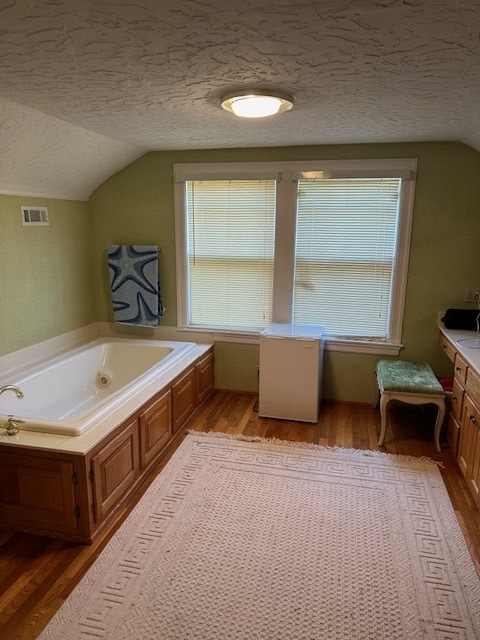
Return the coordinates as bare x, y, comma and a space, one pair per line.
458, 401
464, 420
466, 448
458, 393
470, 444
73, 496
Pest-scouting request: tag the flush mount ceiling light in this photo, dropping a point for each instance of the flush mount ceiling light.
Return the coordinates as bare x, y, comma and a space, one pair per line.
257, 103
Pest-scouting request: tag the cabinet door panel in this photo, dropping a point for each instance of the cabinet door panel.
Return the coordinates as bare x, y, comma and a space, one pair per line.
453, 433
457, 399
37, 493
472, 414
155, 428
115, 469
466, 446
474, 480
184, 399
205, 377
473, 385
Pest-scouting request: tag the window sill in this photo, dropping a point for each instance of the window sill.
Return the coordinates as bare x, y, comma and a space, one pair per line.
365, 346
331, 344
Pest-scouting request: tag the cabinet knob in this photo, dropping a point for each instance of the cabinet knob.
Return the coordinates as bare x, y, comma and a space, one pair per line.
473, 419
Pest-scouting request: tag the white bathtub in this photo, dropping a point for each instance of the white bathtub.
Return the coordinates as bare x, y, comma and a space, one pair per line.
71, 392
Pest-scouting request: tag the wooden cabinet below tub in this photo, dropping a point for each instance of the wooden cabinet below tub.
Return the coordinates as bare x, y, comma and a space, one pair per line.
114, 470
204, 377
156, 428
184, 399
74, 495
38, 492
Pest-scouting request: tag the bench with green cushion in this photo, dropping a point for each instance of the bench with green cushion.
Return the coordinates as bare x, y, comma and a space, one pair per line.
410, 382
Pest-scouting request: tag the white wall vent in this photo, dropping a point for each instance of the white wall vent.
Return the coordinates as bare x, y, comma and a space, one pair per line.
35, 216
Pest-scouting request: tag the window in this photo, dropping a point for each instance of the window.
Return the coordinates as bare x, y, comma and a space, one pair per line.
229, 251
314, 242
345, 249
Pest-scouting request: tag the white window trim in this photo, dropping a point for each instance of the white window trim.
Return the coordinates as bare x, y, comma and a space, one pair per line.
286, 173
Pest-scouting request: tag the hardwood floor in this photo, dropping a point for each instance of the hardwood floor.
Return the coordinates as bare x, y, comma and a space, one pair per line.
38, 573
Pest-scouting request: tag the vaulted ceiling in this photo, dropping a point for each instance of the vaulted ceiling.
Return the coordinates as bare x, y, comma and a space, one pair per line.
86, 86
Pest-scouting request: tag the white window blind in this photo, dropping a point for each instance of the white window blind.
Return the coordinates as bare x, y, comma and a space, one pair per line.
230, 251
344, 257
324, 242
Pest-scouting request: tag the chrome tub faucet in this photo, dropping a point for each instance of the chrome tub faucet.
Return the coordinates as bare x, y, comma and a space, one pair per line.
11, 426
12, 387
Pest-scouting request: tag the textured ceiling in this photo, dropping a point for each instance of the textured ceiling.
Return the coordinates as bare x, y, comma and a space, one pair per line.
148, 74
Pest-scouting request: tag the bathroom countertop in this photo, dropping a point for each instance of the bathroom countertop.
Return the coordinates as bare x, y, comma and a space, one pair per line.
467, 343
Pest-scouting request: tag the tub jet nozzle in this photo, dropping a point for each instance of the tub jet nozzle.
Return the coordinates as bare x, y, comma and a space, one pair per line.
103, 379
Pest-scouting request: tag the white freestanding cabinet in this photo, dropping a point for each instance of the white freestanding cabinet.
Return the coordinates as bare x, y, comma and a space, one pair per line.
291, 360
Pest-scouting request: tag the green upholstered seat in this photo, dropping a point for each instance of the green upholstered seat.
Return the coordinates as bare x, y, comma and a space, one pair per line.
399, 376
410, 382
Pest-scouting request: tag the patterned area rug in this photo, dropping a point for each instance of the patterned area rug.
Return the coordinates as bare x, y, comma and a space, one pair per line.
240, 540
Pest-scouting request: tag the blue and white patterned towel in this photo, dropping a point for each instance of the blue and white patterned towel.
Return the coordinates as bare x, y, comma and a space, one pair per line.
134, 284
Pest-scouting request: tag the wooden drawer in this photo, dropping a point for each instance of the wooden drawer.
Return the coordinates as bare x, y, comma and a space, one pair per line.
447, 347
461, 368
457, 399
473, 386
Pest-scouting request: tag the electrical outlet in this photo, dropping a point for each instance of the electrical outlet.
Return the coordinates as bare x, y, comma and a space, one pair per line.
472, 295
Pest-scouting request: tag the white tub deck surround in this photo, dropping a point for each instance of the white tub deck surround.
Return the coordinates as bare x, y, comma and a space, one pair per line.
108, 378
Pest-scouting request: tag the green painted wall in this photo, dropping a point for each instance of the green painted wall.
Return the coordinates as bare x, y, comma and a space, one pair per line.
54, 279
46, 279
136, 206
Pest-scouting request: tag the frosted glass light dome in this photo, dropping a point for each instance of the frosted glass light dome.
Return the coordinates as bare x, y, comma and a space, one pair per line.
257, 103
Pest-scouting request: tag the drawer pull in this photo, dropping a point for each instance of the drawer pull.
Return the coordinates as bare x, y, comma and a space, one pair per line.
458, 368
473, 419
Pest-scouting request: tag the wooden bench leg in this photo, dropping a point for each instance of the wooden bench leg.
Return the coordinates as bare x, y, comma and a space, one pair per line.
377, 392
438, 424
383, 418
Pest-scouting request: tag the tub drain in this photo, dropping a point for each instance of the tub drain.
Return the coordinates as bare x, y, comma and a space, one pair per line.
103, 379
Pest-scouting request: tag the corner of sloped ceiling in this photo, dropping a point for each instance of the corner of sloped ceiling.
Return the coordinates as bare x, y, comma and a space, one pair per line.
44, 156
472, 140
